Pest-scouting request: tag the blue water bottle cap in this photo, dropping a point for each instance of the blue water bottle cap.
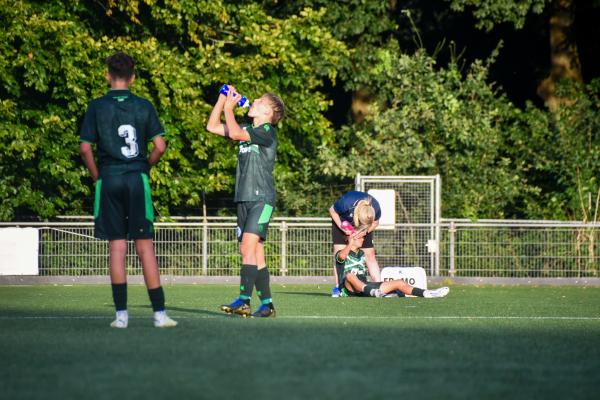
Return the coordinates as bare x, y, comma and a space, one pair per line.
224, 90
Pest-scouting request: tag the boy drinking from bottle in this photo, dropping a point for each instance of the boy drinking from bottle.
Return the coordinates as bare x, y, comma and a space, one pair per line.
254, 190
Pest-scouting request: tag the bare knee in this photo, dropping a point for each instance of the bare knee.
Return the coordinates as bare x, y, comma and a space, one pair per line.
144, 247
118, 247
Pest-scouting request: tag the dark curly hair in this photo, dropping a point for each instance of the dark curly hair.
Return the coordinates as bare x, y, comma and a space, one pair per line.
120, 65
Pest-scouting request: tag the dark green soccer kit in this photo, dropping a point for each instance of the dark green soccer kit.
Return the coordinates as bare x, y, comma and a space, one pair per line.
254, 184
354, 263
121, 124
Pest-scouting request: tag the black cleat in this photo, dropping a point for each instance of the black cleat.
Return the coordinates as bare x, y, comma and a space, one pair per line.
237, 307
264, 311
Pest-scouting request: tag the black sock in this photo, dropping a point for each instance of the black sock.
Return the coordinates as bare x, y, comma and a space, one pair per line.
263, 287
371, 286
119, 293
417, 292
247, 278
157, 298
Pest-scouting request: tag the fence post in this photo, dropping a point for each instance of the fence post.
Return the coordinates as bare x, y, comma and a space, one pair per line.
284, 229
205, 247
452, 232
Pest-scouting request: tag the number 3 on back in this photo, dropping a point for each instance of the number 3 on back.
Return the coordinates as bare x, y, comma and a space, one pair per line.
128, 132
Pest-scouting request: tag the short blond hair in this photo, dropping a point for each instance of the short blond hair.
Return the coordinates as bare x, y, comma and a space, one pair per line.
277, 106
364, 213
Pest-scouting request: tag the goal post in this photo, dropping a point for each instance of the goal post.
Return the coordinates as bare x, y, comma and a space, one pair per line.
409, 233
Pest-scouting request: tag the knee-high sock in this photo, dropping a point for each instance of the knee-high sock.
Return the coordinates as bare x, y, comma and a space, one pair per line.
263, 287
157, 298
247, 278
119, 293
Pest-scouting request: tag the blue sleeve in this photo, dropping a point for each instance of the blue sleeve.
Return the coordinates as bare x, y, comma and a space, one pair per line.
339, 206
376, 207
261, 135
89, 131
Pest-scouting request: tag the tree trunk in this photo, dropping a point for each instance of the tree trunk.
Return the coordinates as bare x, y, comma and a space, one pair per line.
361, 100
564, 56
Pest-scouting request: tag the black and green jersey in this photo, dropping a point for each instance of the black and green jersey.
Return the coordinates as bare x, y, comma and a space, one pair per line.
256, 160
120, 124
355, 264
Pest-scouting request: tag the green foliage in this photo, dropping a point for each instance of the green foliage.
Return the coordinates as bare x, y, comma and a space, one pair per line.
431, 120
561, 153
495, 159
52, 66
491, 13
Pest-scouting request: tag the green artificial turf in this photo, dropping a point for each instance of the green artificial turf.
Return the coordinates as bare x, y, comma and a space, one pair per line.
495, 342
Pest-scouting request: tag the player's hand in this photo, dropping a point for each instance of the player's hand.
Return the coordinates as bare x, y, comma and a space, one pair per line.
357, 238
359, 234
232, 98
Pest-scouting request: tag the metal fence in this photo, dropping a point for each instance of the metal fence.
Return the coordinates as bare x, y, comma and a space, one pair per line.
302, 247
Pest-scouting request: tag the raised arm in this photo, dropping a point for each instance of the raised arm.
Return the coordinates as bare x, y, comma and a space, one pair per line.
231, 129
354, 243
235, 130
214, 124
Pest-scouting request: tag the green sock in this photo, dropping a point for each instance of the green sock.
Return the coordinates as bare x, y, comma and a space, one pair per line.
263, 287
247, 278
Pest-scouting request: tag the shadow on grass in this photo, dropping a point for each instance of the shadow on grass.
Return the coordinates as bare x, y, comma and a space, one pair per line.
187, 310
319, 294
200, 311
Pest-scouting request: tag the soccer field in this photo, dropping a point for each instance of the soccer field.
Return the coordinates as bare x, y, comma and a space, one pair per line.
479, 343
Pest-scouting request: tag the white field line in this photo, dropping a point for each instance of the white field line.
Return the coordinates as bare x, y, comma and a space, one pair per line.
324, 317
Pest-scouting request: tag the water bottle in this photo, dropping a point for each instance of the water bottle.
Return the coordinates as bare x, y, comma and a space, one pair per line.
243, 101
347, 226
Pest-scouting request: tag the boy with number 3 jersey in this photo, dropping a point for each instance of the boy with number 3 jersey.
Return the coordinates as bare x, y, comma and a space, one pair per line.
120, 125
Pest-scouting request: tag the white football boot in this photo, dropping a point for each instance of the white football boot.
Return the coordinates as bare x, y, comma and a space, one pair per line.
161, 320
121, 321
436, 293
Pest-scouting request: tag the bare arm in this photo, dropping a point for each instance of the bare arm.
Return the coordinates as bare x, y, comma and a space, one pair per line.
354, 244
231, 128
335, 217
337, 220
214, 124
160, 146
235, 130
373, 226
87, 155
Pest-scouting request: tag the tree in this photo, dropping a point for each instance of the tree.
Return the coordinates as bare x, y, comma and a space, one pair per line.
429, 120
564, 53
52, 66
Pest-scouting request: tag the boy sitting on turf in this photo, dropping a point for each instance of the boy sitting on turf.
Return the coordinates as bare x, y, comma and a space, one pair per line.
352, 270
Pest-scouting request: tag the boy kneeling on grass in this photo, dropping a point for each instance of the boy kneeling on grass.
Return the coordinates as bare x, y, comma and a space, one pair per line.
352, 271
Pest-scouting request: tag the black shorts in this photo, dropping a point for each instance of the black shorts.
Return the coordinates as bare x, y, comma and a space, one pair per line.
253, 217
339, 237
123, 207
